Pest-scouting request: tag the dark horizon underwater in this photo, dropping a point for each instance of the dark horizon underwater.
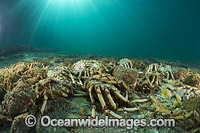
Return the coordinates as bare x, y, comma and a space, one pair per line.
167, 29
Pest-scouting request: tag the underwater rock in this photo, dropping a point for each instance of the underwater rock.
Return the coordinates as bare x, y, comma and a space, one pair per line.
14, 49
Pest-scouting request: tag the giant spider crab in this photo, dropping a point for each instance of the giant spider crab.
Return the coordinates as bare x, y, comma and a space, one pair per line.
52, 88
110, 91
33, 69
21, 101
150, 80
88, 68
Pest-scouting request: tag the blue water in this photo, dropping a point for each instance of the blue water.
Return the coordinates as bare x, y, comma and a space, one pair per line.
147, 28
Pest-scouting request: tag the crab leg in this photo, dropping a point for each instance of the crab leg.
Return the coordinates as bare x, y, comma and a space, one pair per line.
80, 92
113, 114
153, 80
16, 121
90, 94
102, 102
190, 89
163, 110
70, 75
111, 82
139, 101
110, 98
91, 72
79, 95
87, 74
93, 114
44, 103
117, 92
156, 80
80, 82
148, 80
181, 117
124, 85
170, 74
64, 94
100, 69
72, 78
126, 94
127, 109
159, 83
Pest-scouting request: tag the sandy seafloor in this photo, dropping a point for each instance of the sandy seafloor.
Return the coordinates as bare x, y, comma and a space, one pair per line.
70, 108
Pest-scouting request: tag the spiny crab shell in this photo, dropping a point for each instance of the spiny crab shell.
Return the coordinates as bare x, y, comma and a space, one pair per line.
19, 100
128, 75
80, 65
88, 68
85, 64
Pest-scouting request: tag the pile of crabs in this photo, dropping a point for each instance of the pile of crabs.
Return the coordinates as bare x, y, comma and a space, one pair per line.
117, 88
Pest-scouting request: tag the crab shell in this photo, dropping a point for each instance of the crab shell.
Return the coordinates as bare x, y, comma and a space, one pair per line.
18, 101
88, 68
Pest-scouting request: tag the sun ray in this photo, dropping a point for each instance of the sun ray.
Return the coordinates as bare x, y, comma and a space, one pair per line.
39, 20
